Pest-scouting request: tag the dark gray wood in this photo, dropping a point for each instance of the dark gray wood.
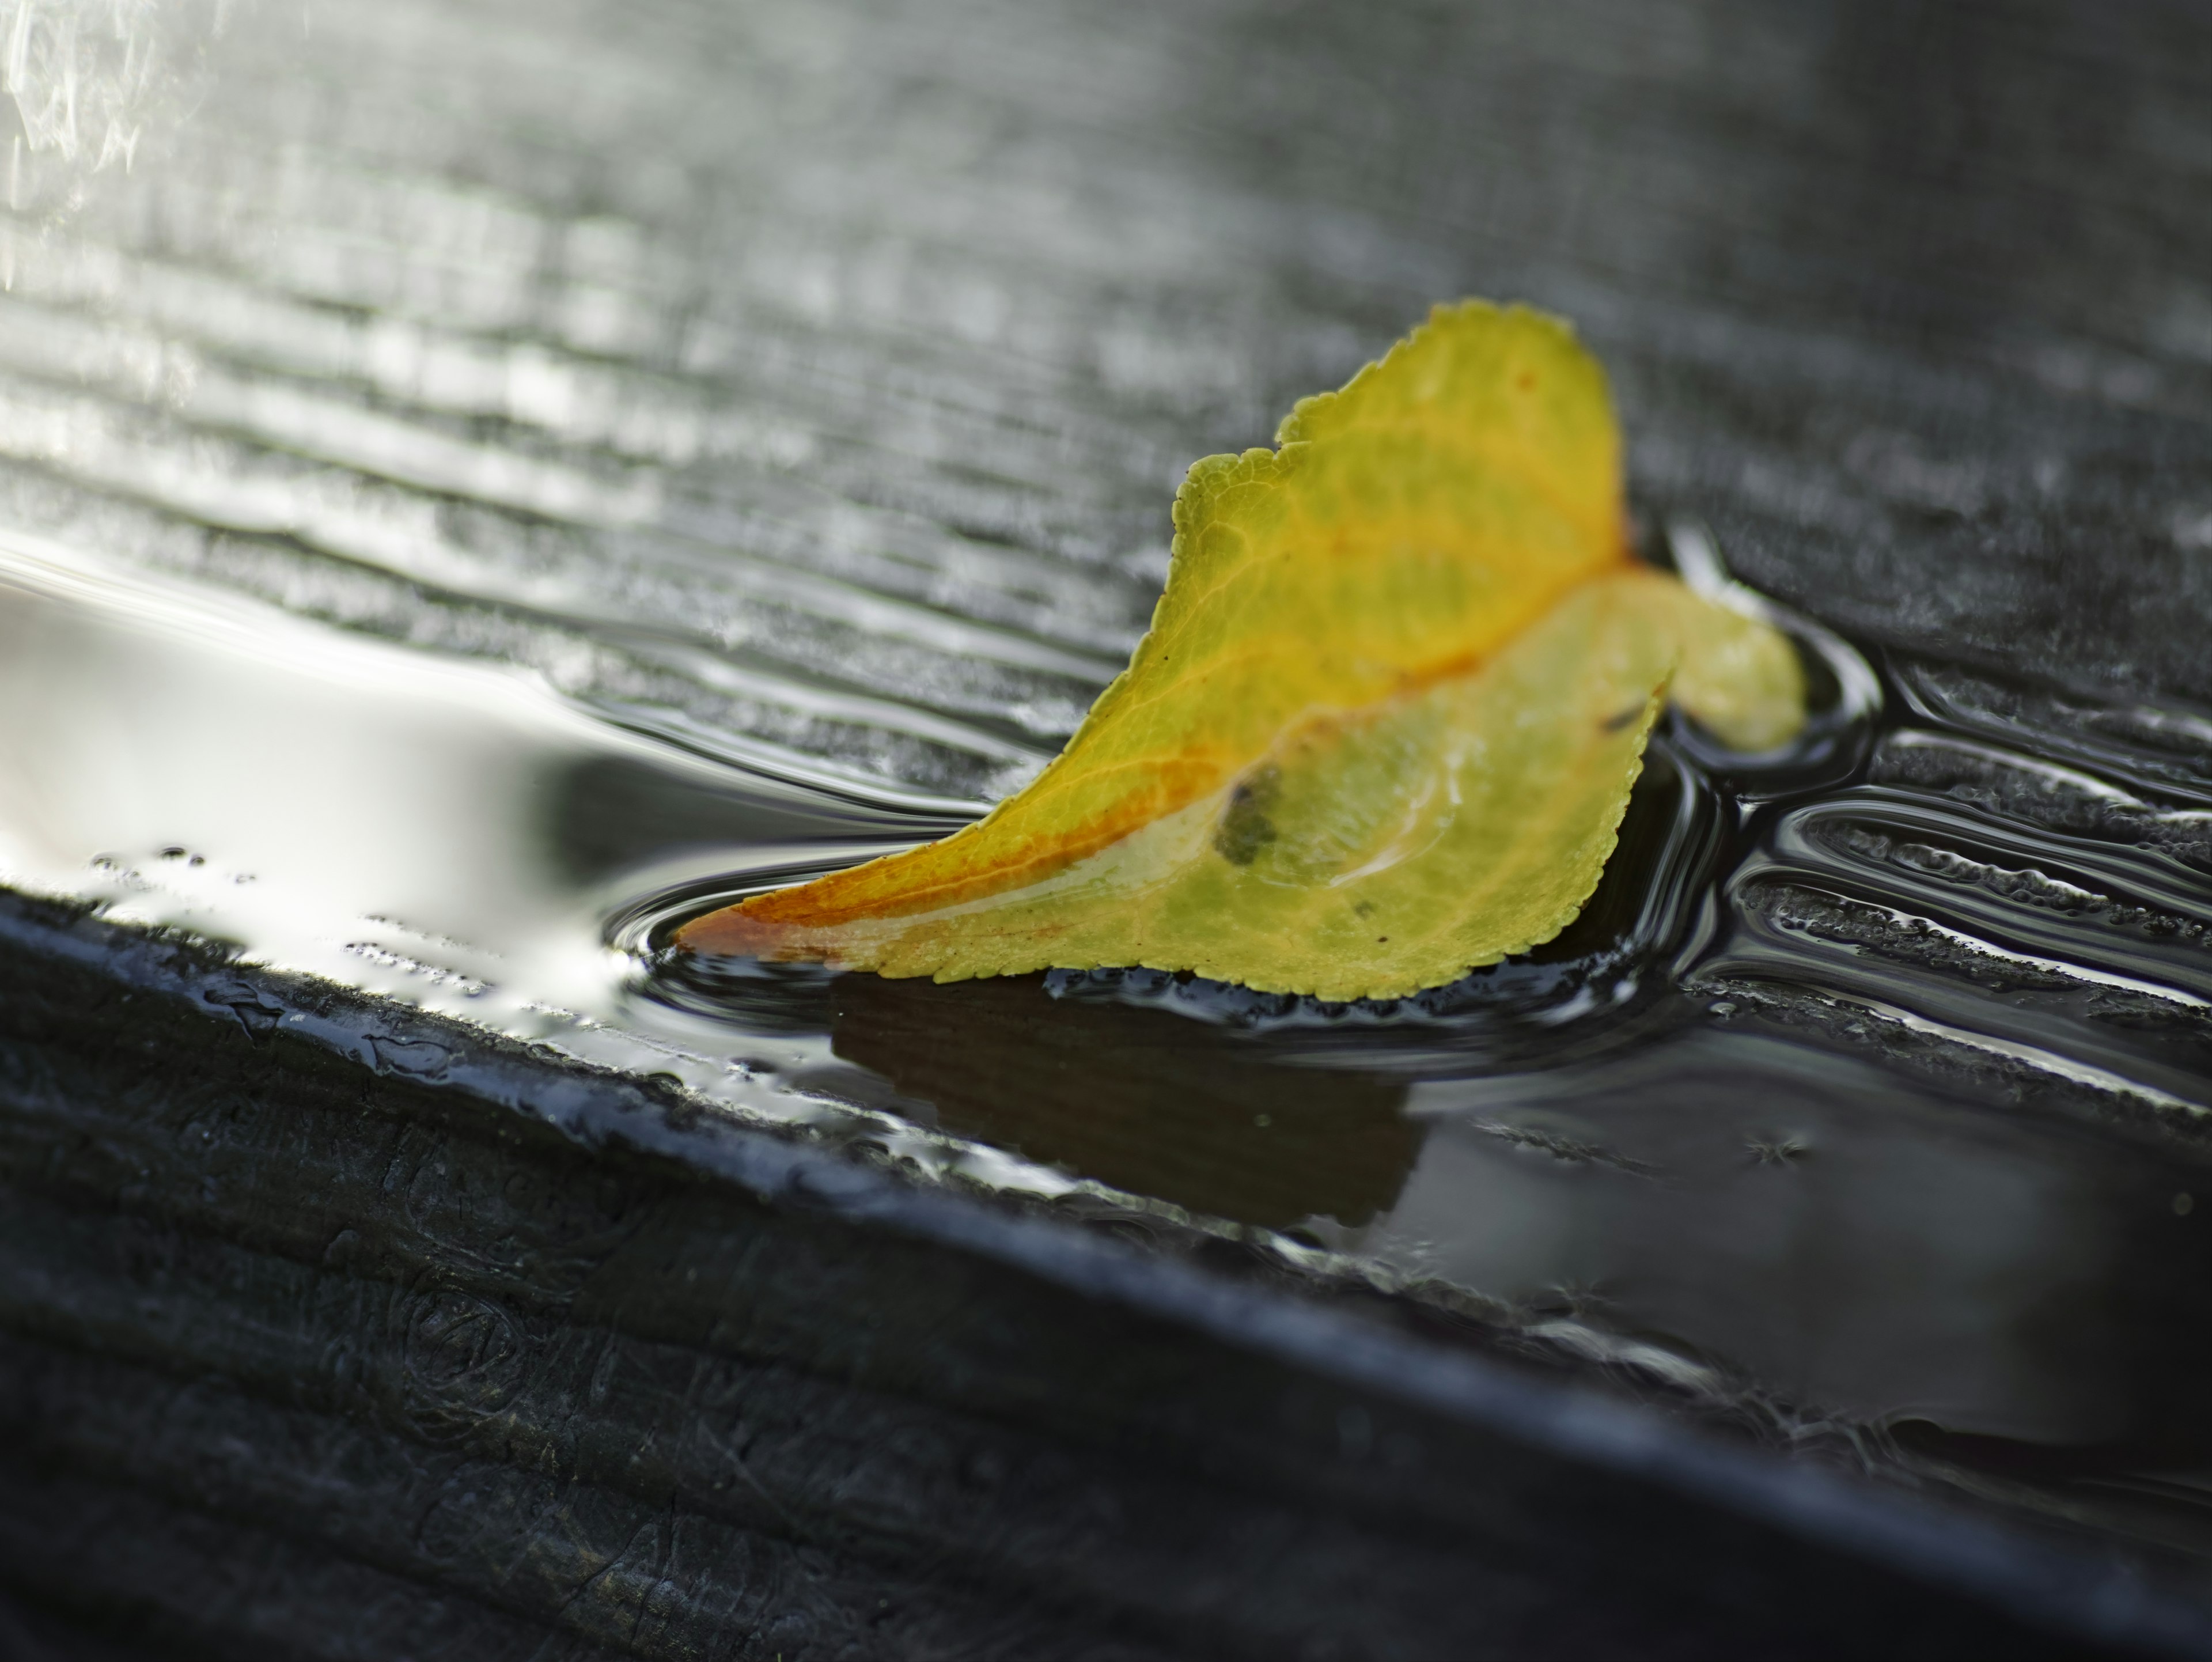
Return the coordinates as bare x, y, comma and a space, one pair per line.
304, 1354
362, 1336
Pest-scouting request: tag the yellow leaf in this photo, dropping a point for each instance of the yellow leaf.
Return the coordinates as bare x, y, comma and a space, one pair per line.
1385, 725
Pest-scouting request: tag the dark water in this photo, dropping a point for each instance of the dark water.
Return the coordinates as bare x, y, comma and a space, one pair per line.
1863, 1106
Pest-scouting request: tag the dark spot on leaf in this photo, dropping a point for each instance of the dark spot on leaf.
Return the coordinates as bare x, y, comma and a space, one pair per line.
1614, 723
1245, 828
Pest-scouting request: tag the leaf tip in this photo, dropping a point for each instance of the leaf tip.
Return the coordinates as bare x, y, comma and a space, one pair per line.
727, 933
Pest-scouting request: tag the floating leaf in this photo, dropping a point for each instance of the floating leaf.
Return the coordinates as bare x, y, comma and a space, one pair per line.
1383, 727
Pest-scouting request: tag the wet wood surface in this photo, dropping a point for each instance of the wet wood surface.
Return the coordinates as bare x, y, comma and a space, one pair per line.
474, 325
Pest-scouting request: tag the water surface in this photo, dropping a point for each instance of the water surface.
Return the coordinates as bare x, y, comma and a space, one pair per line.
1862, 1106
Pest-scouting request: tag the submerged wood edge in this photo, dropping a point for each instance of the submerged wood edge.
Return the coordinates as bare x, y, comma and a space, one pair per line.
1639, 1495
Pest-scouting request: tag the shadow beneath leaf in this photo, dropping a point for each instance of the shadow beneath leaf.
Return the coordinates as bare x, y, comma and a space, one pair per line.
1142, 1100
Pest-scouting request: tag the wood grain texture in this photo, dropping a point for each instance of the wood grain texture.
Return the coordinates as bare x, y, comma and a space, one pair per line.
806, 381
546, 1368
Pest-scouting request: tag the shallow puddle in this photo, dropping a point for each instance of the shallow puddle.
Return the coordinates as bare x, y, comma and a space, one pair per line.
1868, 1111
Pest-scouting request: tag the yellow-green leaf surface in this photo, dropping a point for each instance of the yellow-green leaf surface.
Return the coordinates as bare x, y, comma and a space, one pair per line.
1385, 725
